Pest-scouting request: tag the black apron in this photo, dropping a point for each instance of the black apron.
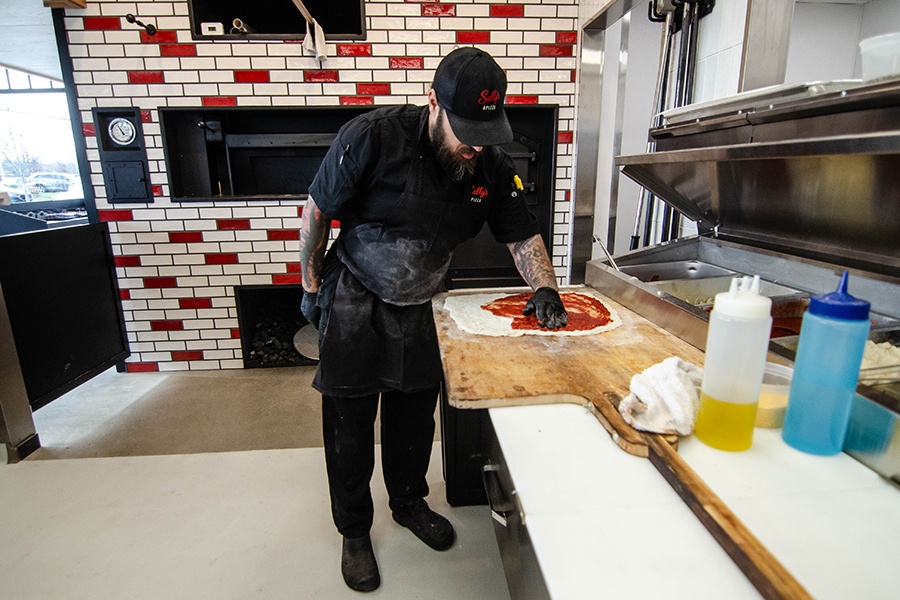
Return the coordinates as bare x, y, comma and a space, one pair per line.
379, 333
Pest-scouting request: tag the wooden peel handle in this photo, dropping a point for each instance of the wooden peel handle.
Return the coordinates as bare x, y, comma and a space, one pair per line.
763, 570
624, 435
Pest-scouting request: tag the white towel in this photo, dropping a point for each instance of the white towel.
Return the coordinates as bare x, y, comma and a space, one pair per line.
664, 398
314, 42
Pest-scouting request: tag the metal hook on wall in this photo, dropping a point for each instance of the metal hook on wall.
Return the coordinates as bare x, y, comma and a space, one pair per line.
150, 29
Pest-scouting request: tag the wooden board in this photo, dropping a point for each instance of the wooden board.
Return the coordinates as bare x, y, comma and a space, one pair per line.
594, 370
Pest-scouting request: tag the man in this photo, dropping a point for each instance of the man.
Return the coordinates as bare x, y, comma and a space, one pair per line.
408, 184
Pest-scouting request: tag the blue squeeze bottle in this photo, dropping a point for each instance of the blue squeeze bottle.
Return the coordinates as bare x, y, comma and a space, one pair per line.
833, 336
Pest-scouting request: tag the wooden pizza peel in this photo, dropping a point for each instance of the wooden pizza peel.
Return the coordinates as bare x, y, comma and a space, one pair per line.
595, 371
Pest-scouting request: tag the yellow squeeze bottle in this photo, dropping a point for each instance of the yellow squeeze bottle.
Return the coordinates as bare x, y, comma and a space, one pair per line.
736, 345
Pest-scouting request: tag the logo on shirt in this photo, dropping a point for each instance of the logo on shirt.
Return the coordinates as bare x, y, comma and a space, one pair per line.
489, 99
479, 193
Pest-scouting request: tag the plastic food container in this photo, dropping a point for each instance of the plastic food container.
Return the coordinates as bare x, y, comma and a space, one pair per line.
773, 396
880, 56
881, 361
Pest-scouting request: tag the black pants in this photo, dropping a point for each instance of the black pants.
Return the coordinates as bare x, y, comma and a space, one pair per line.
407, 434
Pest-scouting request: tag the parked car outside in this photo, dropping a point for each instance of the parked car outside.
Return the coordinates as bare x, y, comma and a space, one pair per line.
49, 182
16, 194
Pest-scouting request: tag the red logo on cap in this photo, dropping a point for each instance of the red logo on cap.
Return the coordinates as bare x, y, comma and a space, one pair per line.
489, 97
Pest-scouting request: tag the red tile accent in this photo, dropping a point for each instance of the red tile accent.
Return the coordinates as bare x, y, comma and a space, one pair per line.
97, 23
357, 100
521, 99
283, 234
160, 282
219, 101
507, 10
354, 49
88, 130
142, 367
251, 76
115, 215
294, 268
221, 259
574, 78
195, 303
564, 137
568, 195
566, 37
228, 224
438, 10
335, 224
157, 190
161, 37
373, 89
299, 211
556, 50
145, 77
407, 62
328, 76
146, 116
178, 50
124, 294
286, 279
187, 355
235, 333
128, 261
473, 37
185, 237
167, 325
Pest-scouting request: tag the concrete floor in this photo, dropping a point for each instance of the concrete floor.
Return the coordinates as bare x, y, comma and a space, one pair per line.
208, 485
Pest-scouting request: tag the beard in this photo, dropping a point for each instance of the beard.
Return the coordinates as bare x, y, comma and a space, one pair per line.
457, 166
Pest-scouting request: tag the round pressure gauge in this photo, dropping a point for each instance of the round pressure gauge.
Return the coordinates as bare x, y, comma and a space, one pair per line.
122, 131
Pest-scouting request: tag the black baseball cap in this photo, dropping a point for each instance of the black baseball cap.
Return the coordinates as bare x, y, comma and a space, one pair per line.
471, 87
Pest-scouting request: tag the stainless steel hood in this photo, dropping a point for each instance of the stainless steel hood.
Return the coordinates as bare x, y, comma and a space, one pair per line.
794, 184
813, 175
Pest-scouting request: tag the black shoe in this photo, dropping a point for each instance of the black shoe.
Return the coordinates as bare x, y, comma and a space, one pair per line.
428, 526
358, 564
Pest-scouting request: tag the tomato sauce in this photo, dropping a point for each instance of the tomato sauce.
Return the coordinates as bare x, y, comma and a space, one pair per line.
585, 312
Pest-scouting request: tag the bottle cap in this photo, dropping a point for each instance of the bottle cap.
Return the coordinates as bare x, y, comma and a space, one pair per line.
743, 300
839, 304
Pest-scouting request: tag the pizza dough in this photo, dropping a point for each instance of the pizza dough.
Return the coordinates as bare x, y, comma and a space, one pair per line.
500, 314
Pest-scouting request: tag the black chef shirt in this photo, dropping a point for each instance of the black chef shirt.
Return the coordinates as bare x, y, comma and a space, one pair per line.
365, 171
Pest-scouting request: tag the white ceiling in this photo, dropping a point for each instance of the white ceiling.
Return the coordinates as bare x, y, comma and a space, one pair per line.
27, 39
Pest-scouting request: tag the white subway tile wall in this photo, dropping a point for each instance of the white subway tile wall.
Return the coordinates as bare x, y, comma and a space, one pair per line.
178, 263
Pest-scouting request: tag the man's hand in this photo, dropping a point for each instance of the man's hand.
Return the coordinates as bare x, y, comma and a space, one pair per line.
547, 306
309, 308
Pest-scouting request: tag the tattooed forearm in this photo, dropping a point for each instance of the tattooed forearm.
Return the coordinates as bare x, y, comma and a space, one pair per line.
533, 262
313, 235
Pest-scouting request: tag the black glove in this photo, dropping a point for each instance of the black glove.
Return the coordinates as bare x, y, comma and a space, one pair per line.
310, 309
547, 306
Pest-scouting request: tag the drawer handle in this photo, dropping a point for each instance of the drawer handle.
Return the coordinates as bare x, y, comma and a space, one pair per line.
501, 507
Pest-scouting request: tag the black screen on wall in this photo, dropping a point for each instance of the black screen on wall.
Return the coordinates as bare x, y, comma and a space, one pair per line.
339, 19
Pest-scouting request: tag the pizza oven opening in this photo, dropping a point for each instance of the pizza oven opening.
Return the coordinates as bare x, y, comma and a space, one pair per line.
251, 153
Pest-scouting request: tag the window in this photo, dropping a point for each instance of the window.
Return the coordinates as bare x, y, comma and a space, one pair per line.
37, 151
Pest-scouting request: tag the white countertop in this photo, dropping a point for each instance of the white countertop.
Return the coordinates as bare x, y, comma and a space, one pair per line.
606, 522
